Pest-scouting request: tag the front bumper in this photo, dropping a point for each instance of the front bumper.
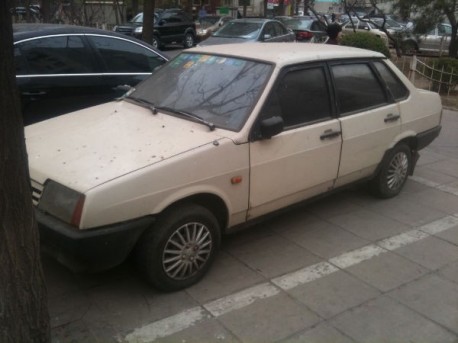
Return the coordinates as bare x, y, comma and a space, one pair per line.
89, 250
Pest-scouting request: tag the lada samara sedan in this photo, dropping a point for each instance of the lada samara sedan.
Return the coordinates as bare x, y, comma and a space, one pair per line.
220, 136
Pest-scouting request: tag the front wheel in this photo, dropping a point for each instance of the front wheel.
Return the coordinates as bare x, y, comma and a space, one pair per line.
393, 173
189, 41
178, 251
156, 43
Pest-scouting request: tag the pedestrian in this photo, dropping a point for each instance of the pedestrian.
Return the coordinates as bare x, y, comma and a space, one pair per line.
333, 30
202, 12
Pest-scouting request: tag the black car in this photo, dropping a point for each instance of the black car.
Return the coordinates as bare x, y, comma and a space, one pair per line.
62, 68
171, 26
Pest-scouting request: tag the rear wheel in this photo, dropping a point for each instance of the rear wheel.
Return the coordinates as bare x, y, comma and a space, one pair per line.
393, 173
178, 251
189, 41
156, 43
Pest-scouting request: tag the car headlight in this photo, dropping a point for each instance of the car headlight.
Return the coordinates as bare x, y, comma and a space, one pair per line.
138, 29
62, 202
202, 32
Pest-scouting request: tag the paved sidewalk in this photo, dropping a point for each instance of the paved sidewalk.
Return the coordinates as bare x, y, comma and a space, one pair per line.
349, 268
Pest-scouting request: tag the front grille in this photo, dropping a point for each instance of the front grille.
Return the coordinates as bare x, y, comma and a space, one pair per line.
37, 190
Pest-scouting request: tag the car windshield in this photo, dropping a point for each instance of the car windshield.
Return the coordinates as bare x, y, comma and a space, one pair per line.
221, 90
208, 21
239, 29
299, 24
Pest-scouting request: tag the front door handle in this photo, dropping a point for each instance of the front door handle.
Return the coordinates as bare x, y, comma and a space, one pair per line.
392, 117
34, 93
329, 134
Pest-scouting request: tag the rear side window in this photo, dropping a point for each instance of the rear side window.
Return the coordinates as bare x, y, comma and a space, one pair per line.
396, 87
56, 55
301, 97
121, 56
357, 88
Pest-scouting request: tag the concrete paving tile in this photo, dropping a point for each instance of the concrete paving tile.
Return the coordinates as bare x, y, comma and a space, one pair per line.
324, 239
412, 186
407, 211
207, 331
447, 167
333, 205
129, 305
273, 255
334, 294
450, 272
269, 320
385, 320
227, 275
81, 331
67, 308
387, 271
370, 225
432, 253
429, 156
321, 333
434, 176
438, 199
434, 297
450, 235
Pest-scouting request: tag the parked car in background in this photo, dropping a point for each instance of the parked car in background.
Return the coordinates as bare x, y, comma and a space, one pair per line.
436, 41
306, 29
219, 136
208, 25
128, 28
250, 30
392, 26
63, 68
364, 26
171, 26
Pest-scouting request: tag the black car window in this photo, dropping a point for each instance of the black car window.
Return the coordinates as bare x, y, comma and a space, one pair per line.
357, 87
302, 96
396, 87
19, 61
56, 55
121, 56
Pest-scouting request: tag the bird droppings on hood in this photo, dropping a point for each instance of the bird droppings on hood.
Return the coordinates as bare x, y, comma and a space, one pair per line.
215, 143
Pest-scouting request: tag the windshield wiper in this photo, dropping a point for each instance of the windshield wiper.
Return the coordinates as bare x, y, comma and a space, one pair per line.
189, 115
143, 103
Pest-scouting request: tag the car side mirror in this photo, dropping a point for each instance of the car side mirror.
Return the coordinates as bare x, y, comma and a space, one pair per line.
271, 126
267, 36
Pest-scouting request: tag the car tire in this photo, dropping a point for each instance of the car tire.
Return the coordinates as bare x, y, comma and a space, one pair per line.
393, 173
156, 43
180, 248
189, 40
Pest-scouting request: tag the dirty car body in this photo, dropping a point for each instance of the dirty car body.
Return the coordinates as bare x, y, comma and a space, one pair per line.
218, 137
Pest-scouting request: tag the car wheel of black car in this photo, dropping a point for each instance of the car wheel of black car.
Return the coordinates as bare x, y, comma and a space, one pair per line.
189, 40
180, 248
393, 173
156, 42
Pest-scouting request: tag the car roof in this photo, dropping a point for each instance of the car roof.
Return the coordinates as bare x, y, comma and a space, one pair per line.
25, 31
287, 53
254, 20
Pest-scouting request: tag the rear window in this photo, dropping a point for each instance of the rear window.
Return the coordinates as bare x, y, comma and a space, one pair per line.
398, 90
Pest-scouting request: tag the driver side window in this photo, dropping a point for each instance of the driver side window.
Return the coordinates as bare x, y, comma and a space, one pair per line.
301, 97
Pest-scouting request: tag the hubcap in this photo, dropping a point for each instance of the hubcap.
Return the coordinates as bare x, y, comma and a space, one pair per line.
187, 251
397, 171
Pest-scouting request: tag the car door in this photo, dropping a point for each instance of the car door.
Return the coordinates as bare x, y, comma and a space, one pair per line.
370, 118
303, 160
55, 75
123, 63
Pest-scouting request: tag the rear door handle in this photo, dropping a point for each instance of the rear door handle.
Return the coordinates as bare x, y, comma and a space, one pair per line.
392, 117
329, 134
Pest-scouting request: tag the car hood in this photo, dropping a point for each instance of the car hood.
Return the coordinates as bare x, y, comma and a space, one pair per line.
87, 148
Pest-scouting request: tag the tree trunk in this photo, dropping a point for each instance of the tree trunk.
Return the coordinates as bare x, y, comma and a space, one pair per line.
23, 300
148, 15
45, 11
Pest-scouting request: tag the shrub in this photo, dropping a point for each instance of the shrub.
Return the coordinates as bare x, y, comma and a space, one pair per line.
365, 40
444, 72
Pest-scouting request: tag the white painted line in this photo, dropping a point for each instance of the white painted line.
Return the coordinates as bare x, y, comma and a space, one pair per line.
403, 239
304, 275
448, 189
424, 181
241, 299
167, 326
440, 225
357, 256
